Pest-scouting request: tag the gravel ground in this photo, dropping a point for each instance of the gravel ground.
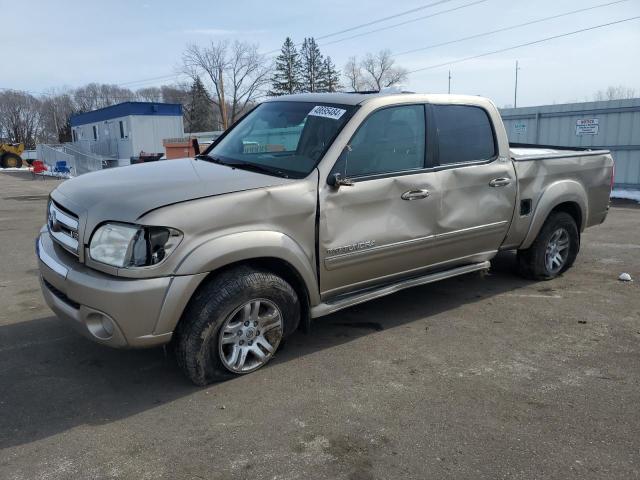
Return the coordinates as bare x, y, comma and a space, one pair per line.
470, 378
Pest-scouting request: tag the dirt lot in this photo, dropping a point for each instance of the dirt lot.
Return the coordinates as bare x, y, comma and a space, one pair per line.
469, 378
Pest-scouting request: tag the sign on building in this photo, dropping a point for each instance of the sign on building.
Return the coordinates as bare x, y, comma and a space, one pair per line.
520, 127
587, 126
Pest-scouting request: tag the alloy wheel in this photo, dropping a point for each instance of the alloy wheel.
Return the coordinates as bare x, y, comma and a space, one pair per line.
557, 250
250, 336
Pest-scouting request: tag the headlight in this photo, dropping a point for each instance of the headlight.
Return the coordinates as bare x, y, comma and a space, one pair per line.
124, 245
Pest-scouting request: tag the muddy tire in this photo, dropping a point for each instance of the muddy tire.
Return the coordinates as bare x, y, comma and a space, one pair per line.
11, 160
553, 251
234, 324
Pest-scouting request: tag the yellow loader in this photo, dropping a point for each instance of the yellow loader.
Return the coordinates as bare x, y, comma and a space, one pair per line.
10, 155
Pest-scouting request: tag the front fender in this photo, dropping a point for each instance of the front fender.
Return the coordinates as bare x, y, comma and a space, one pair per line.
552, 196
236, 247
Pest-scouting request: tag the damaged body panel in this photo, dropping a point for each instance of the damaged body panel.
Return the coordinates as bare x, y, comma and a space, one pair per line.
330, 200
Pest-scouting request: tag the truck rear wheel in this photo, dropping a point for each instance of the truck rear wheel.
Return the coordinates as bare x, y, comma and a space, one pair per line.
234, 324
553, 251
11, 160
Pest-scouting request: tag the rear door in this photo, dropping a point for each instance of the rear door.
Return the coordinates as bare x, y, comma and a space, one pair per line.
383, 225
478, 185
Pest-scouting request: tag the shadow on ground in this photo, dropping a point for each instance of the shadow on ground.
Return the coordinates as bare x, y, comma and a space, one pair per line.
52, 380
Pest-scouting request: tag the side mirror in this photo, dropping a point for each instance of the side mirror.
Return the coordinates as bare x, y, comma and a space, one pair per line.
336, 181
196, 146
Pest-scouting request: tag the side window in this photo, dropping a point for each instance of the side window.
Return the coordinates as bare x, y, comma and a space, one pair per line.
121, 129
389, 140
95, 133
464, 134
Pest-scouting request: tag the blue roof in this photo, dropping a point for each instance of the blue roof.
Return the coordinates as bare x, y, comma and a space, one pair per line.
127, 108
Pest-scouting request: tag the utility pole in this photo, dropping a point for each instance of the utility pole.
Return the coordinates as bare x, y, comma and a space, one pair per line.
449, 90
515, 93
55, 122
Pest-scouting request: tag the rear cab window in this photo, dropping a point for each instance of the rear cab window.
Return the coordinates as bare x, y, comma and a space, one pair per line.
465, 134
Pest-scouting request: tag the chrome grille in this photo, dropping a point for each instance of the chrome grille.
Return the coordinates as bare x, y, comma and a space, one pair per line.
63, 228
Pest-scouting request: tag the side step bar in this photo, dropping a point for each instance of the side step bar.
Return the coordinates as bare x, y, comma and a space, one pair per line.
323, 309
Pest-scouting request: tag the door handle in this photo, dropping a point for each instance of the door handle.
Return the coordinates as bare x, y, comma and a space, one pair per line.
415, 194
500, 182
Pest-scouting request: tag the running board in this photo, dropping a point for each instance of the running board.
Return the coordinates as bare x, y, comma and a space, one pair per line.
323, 309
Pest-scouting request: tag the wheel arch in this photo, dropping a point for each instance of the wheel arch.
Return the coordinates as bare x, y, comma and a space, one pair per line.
271, 251
568, 196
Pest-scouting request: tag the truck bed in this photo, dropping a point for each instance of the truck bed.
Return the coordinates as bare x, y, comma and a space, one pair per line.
573, 173
526, 151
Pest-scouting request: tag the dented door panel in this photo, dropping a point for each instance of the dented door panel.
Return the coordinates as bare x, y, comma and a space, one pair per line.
369, 233
475, 215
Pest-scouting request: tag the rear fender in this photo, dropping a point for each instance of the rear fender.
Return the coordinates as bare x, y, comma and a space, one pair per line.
552, 196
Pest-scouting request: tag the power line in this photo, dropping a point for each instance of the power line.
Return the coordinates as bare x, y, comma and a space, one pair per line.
373, 22
390, 17
430, 67
163, 77
362, 34
512, 27
350, 29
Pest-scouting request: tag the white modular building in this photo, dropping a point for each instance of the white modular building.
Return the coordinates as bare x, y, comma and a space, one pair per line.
122, 131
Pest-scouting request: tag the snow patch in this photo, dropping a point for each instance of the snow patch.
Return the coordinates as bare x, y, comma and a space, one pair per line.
49, 173
626, 194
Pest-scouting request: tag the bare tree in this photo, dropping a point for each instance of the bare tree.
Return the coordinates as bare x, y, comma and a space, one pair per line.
96, 95
381, 71
250, 75
56, 111
615, 93
235, 74
353, 74
149, 94
212, 63
47, 118
20, 117
178, 93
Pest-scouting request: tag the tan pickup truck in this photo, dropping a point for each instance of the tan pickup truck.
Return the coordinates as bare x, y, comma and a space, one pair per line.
310, 204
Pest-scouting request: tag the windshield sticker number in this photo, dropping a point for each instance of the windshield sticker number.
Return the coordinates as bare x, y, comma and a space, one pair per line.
327, 112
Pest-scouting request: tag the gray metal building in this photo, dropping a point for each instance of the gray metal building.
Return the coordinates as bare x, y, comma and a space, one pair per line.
614, 125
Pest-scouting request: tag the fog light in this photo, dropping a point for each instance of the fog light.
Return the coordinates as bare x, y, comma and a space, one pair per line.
107, 325
100, 326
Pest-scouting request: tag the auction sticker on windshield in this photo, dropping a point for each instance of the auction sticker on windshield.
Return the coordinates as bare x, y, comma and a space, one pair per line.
327, 112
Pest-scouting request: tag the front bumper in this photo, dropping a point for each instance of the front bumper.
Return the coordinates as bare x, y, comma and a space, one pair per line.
119, 312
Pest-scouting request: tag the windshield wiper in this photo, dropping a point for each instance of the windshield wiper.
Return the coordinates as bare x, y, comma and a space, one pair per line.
254, 167
209, 158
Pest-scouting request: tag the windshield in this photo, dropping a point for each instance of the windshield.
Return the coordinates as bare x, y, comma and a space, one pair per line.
286, 137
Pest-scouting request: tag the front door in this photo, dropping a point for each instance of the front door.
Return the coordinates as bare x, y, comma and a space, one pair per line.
383, 225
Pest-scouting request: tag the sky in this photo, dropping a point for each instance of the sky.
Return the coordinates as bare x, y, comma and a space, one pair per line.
53, 44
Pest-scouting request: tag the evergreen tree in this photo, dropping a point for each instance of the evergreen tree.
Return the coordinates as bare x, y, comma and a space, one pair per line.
287, 76
330, 77
198, 110
312, 65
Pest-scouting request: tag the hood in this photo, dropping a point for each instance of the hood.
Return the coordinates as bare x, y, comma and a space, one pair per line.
126, 193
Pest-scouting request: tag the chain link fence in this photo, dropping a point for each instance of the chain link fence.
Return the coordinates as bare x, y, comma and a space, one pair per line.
79, 162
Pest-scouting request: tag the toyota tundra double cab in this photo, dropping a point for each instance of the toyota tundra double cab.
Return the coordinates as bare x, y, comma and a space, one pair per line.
309, 204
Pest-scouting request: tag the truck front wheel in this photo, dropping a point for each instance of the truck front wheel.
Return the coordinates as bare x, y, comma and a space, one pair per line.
234, 324
553, 251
